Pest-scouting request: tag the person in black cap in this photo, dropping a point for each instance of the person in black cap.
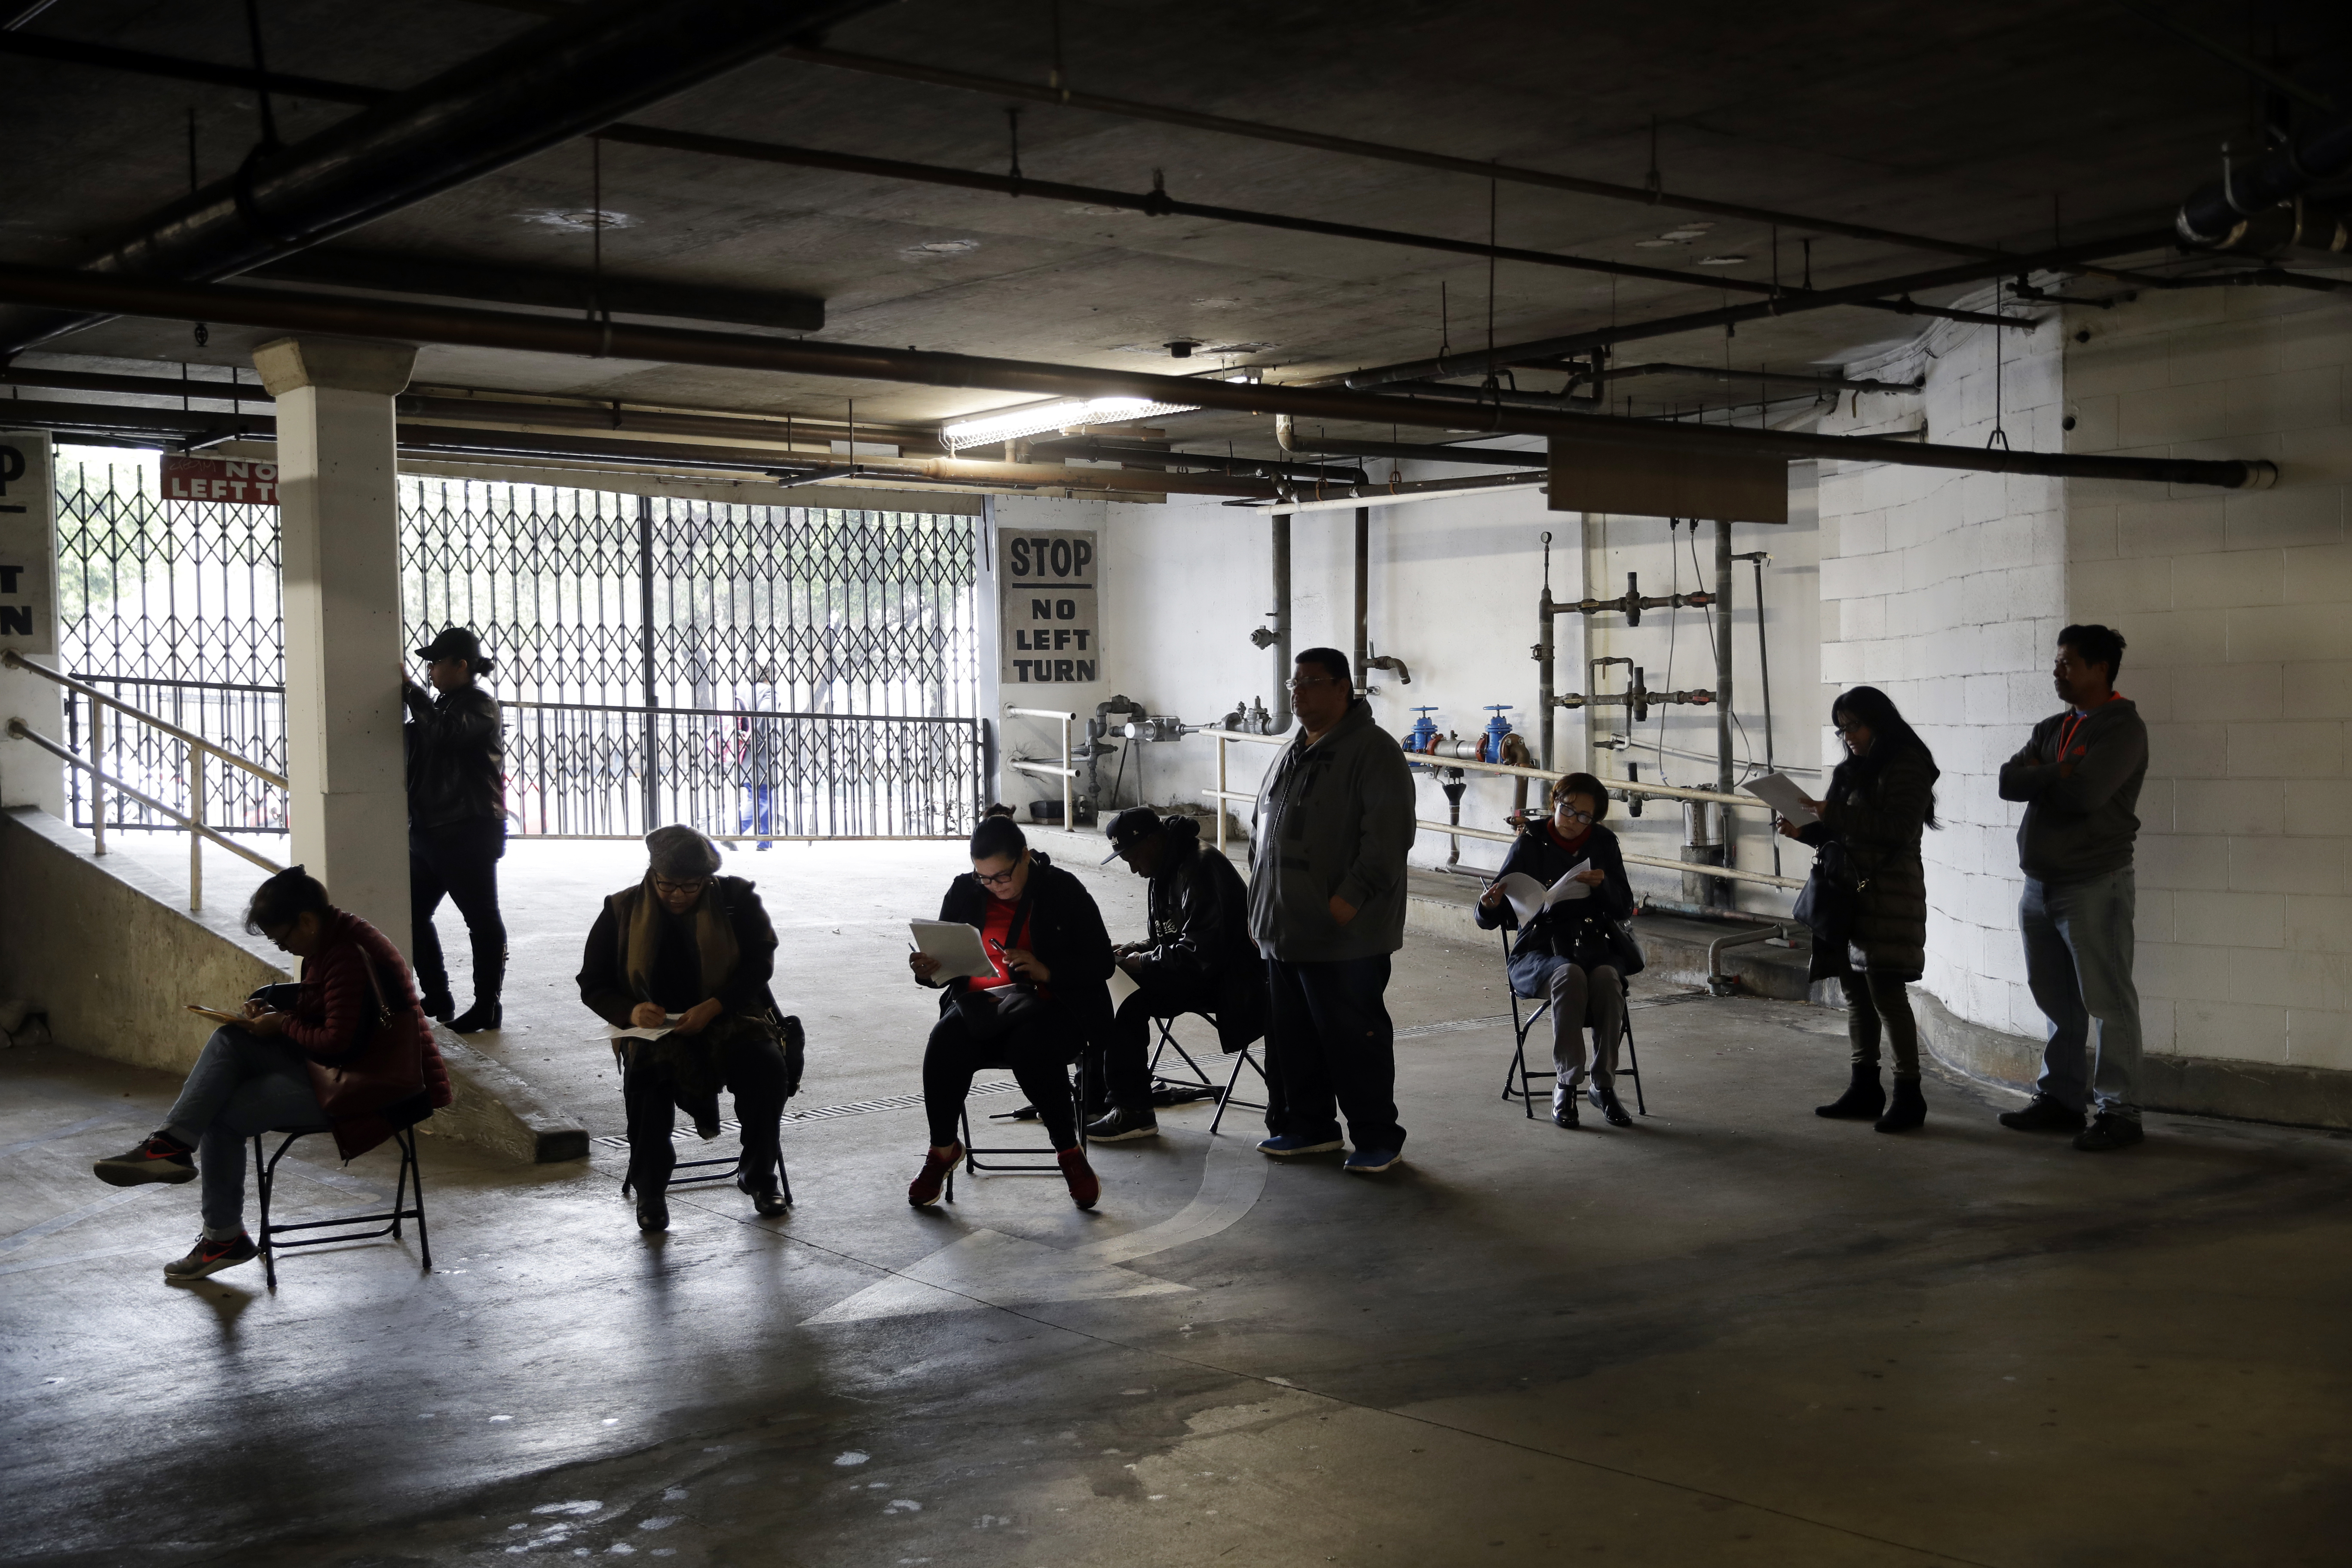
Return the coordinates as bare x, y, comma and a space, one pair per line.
690, 948
1198, 958
456, 823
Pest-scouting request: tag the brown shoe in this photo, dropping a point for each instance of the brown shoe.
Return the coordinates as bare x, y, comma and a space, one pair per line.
924, 1190
1086, 1187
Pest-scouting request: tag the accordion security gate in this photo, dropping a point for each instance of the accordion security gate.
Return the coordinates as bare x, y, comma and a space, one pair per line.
757, 671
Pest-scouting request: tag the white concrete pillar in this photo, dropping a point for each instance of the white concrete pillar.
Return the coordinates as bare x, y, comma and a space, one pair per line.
339, 504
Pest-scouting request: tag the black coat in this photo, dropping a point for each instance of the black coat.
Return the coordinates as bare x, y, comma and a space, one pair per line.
1200, 941
677, 979
1577, 931
454, 757
1879, 817
1062, 927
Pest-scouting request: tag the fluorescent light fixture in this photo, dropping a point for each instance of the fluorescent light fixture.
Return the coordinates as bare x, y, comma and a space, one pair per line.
1039, 418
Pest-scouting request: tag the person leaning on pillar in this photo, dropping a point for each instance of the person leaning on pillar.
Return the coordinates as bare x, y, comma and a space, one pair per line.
456, 823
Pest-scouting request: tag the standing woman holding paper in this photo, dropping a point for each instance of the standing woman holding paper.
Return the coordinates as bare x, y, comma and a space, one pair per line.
1568, 953
1048, 995
1880, 798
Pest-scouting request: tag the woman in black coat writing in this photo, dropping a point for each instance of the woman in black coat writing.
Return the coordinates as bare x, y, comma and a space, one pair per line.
1565, 952
1049, 996
1880, 798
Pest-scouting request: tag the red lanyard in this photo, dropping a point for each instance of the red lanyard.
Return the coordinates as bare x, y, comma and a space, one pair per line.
2066, 735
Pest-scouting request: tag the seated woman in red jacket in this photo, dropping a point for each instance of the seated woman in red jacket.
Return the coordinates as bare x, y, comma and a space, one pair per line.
257, 1076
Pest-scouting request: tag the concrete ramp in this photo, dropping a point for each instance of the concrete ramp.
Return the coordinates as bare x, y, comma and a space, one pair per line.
110, 951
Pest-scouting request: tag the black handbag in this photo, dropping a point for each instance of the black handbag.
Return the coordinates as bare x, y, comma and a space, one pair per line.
1832, 896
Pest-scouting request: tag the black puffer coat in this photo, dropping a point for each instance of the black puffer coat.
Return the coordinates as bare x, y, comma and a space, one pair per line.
1878, 815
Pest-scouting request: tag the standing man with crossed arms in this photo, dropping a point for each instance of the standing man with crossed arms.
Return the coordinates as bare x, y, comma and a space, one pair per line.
2079, 777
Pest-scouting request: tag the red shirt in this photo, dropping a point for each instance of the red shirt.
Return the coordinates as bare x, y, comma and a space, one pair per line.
995, 935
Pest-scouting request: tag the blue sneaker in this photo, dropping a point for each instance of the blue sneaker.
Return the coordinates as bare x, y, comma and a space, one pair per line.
1289, 1143
1365, 1162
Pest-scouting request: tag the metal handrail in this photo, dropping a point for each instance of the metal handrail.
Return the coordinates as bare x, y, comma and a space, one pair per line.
740, 712
1066, 772
12, 660
19, 729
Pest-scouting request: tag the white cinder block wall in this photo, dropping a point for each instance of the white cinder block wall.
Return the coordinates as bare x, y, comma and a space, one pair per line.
2238, 610
1945, 589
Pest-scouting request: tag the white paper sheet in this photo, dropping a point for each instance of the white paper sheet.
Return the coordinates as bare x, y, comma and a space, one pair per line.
957, 947
1530, 898
1785, 795
636, 1031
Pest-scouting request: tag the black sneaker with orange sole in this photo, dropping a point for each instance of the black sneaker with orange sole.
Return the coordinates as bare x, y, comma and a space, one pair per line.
210, 1256
162, 1158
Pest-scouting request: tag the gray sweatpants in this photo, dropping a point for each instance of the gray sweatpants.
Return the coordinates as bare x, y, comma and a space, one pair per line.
242, 1084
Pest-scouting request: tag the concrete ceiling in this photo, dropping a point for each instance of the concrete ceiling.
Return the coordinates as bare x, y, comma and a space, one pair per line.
1988, 123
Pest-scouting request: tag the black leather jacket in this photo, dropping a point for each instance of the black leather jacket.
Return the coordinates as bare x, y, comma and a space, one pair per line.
454, 756
1200, 939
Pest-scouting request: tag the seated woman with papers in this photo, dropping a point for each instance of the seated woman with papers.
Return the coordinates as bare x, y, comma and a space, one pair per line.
1021, 952
1563, 888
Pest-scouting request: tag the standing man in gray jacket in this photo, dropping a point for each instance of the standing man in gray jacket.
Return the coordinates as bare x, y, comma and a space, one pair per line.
1327, 908
2080, 777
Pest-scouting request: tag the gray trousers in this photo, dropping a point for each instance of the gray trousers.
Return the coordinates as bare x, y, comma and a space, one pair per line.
242, 1084
1578, 999
2078, 963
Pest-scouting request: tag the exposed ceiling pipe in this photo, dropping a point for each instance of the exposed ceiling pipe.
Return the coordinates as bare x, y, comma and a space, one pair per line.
2218, 215
559, 80
1285, 435
1475, 361
563, 289
852, 362
1163, 457
1155, 203
1479, 169
1580, 374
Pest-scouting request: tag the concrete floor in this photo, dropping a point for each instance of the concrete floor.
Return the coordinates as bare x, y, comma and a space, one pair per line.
1734, 1333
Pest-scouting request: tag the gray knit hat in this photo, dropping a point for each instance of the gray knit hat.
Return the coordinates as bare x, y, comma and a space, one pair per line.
678, 851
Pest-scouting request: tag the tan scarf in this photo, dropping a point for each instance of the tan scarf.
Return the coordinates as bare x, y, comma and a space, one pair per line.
639, 914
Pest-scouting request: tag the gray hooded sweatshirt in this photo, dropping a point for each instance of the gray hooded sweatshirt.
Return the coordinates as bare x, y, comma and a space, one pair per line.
1335, 818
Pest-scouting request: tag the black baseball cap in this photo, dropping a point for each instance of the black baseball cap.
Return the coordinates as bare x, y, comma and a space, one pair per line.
457, 642
1129, 828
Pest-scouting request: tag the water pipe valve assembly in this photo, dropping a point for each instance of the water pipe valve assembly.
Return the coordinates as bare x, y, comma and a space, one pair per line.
1639, 698
1630, 604
1158, 727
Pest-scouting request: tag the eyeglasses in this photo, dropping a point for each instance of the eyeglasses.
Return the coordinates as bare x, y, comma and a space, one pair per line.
1576, 816
1294, 686
997, 880
694, 885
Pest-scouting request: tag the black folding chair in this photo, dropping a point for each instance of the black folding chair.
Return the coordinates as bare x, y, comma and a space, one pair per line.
1025, 1155
1518, 1079
1201, 1080
407, 1204
734, 1162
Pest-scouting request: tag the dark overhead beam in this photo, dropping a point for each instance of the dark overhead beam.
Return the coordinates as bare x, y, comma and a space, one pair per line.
558, 82
136, 386
141, 62
1475, 361
346, 316
561, 289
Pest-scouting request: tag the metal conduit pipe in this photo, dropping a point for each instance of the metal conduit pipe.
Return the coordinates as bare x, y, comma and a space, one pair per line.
290, 312
561, 80
1286, 434
1475, 361
1279, 640
1363, 593
2219, 214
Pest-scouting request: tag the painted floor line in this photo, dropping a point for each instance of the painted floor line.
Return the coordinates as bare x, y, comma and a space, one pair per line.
22, 1144
55, 1222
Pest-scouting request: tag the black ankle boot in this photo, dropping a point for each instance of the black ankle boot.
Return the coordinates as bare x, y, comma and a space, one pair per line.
1907, 1109
1862, 1099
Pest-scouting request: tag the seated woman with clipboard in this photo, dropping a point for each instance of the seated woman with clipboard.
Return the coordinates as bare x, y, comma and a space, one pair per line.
1030, 994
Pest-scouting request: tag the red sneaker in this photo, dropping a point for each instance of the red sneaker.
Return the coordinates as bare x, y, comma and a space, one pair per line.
1085, 1185
924, 1190
162, 1158
209, 1257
